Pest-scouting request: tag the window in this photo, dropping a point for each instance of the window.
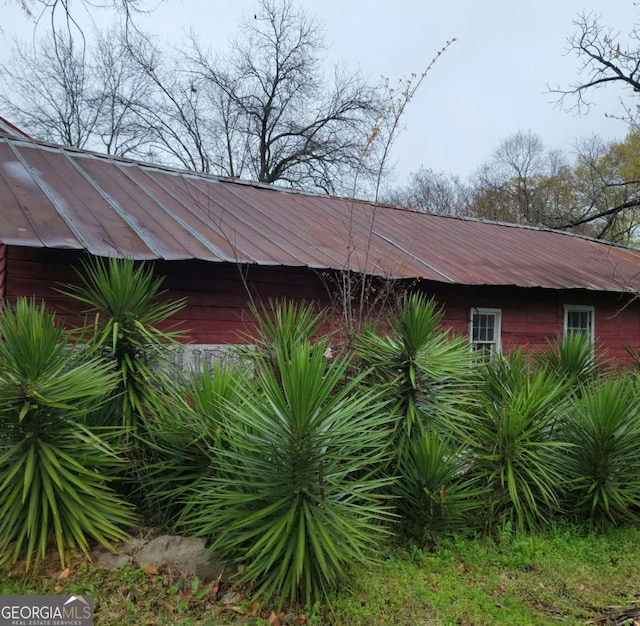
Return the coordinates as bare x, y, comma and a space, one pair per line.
579, 319
485, 330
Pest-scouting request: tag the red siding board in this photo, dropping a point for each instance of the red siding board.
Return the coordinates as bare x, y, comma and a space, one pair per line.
217, 310
211, 314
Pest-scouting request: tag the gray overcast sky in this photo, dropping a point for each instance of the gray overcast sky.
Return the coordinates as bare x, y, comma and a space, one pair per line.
489, 84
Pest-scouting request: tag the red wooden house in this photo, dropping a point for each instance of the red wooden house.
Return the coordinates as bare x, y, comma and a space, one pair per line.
217, 241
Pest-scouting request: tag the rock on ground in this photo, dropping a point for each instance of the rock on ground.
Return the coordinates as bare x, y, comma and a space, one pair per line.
186, 555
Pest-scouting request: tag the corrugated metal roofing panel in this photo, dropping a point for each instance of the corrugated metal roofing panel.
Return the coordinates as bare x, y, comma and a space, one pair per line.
29, 217
133, 205
173, 195
241, 214
59, 197
290, 231
475, 252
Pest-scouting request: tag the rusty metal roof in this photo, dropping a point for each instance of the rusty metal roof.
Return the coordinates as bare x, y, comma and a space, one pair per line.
7, 128
56, 197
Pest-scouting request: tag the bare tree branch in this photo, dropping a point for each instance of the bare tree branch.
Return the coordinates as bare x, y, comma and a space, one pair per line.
299, 129
604, 59
65, 96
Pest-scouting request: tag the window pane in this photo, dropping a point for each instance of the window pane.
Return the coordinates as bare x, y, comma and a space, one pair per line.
484, 325
485, 330
579, 321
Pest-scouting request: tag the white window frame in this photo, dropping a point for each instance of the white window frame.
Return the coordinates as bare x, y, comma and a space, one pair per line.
497, 342
569, 308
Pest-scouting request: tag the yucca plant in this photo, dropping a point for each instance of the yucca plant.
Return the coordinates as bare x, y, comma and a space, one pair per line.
572, 358
434, 492
54, 470
429, 371
283, 324
185, 437
126, 316
603, 463
515, 443
293, 499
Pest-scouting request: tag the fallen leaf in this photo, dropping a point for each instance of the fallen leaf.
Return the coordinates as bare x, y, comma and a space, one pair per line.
149, 568
273, 619
64, 574
59, 588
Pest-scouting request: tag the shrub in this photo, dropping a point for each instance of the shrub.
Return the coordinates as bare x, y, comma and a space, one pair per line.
54, 470
572, 358
603, 464
433, 493
514, 442
285, 324
125, 332
427, 371
185, 436
293, 499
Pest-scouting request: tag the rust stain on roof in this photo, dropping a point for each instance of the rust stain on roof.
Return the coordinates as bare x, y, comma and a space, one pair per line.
58, 197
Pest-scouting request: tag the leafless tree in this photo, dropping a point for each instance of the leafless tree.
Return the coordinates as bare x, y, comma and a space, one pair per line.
60, 94
175, 117
66, 16
36, 8
280, 120
263, 110
48, 91
122, 88
430, 191
520, 183
606, 59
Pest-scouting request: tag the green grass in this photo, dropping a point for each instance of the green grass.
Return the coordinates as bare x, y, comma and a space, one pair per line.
558, 577
127, 596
